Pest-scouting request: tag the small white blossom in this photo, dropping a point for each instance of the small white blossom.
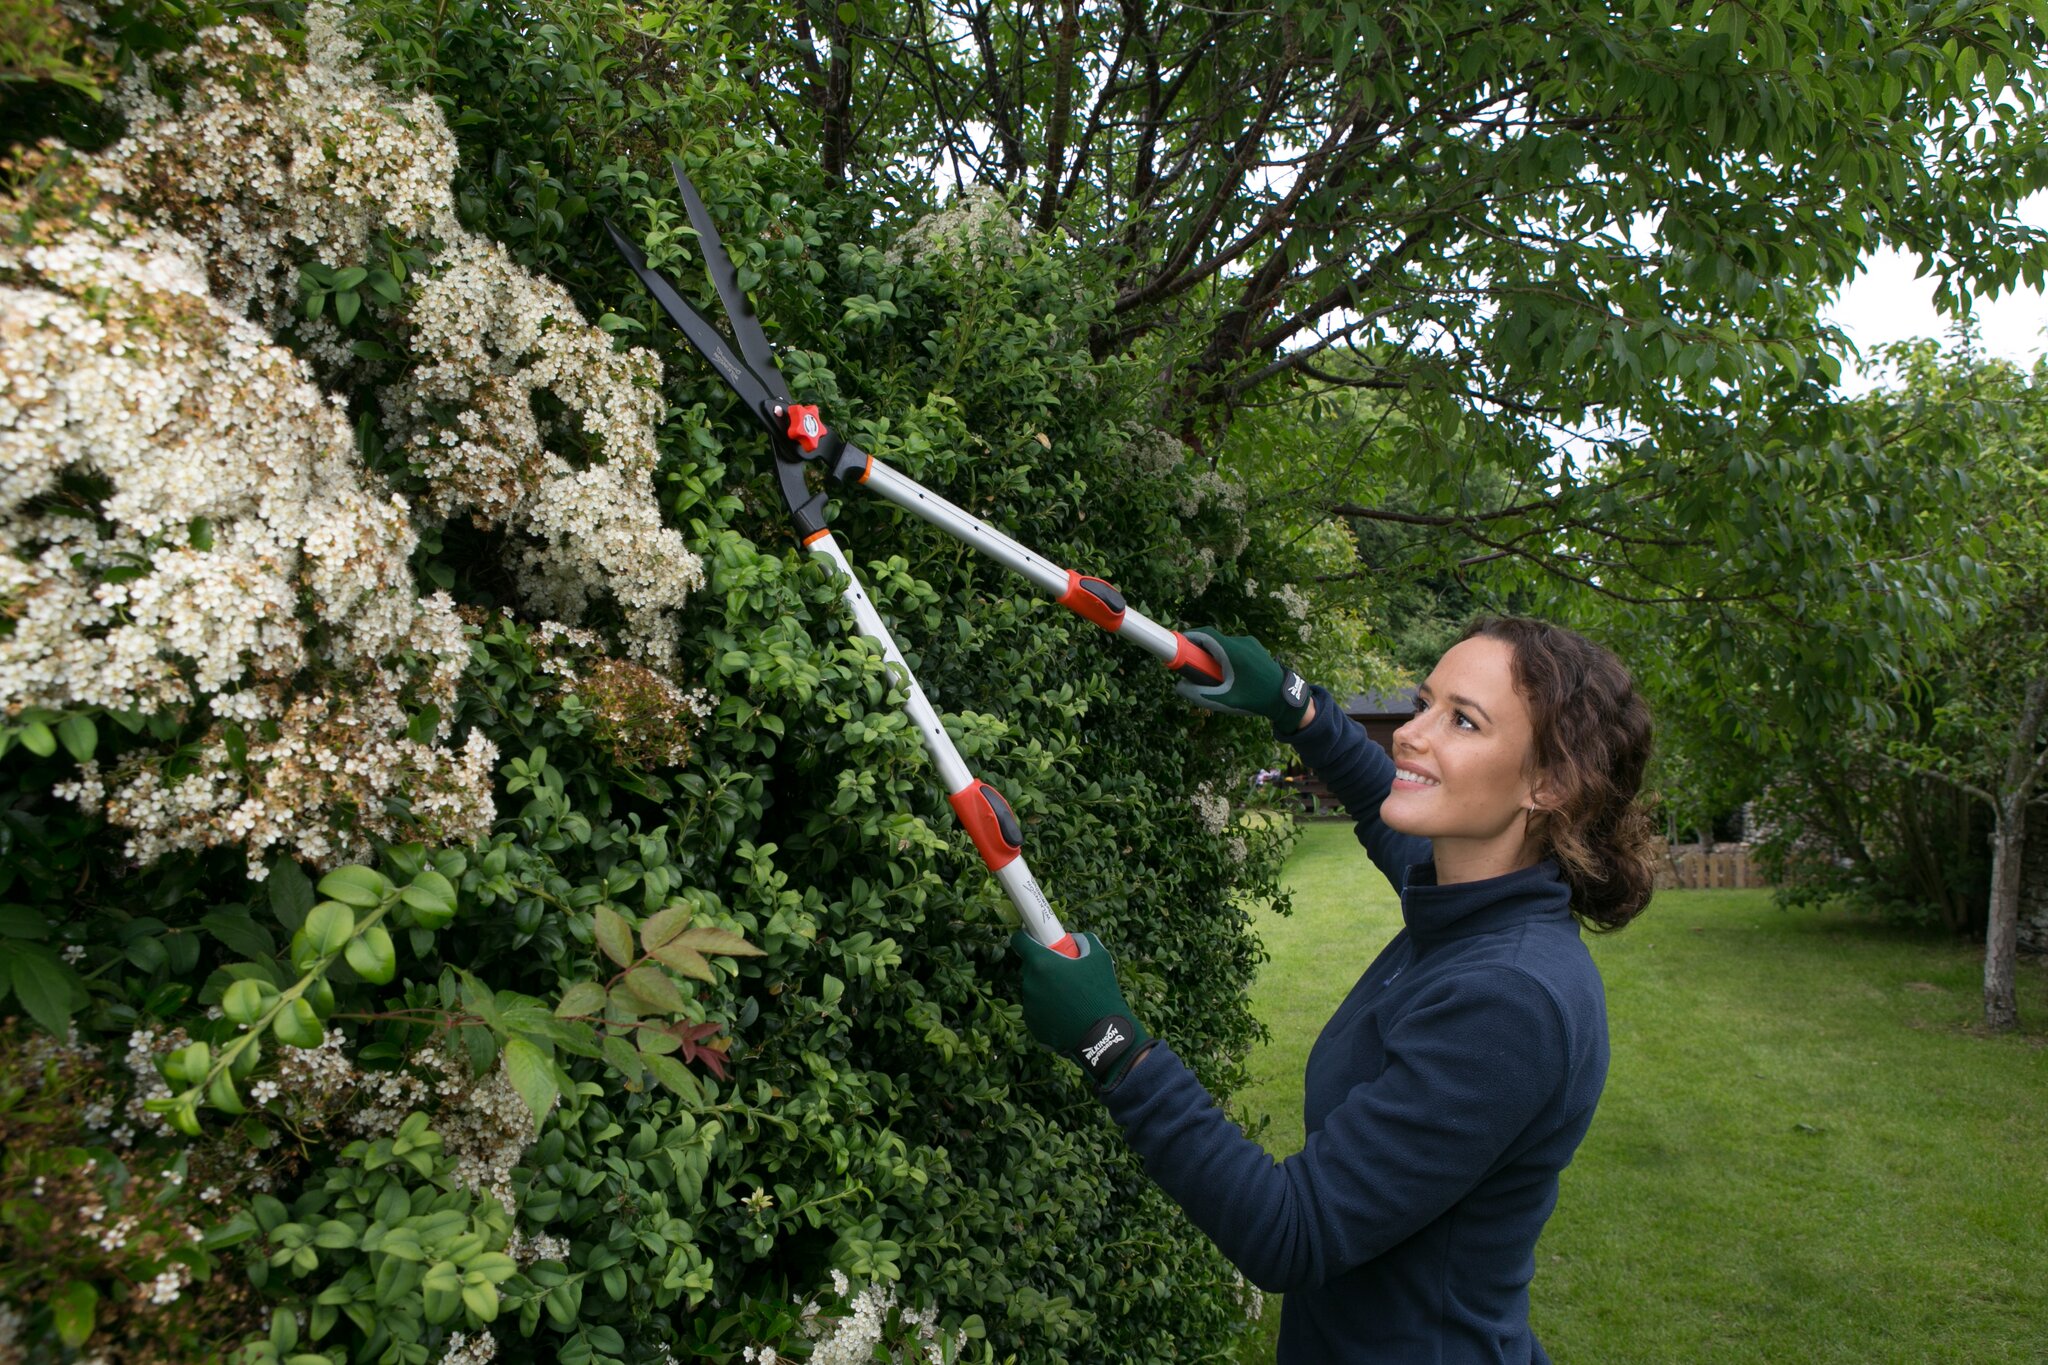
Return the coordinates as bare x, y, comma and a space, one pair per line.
467, 1350
167, 1286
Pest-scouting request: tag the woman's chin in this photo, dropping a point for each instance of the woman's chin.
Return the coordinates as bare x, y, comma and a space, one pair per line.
1394, 821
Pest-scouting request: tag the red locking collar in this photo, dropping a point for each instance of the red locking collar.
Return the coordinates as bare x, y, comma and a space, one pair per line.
805, 426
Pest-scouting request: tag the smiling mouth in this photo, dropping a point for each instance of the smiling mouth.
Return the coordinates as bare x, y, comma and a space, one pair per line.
1403, 777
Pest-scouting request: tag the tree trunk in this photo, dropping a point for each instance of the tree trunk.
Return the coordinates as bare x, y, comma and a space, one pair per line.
2025, 766
2002, 932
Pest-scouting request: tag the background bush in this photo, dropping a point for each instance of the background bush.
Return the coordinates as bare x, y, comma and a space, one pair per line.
839, 1083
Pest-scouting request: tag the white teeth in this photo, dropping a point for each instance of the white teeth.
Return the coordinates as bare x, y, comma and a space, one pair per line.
1416, 777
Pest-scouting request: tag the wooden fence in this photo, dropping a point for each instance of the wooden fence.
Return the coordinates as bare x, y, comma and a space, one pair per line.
1687, 869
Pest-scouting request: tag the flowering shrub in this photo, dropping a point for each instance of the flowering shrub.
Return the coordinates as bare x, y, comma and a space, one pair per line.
525, 934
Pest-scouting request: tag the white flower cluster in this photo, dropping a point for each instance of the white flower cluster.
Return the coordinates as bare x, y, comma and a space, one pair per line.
467, 1350
1153, 451
484, 1125
268, 165
1248, 1295
852, 1339
1296, 605
1212, 812
183, 515
541, 1246
975, 226
166, 1288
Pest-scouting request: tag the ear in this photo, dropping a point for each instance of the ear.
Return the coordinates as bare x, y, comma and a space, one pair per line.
1540, 801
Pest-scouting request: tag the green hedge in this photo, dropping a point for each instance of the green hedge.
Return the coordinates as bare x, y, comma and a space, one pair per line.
835, 1078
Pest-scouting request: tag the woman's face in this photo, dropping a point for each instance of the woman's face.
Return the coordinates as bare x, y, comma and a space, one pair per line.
1463, 762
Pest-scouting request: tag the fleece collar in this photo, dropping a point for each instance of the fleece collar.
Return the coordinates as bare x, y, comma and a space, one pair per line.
1482, 907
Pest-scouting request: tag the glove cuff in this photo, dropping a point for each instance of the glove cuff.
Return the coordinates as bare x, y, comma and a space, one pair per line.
1292, 701
1108, 1046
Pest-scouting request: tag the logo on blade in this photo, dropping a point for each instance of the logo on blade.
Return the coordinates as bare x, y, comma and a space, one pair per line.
1093, 1052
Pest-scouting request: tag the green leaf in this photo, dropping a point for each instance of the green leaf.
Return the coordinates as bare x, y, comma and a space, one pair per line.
686, 960
187, 1065
222, 1095
663, 925
232, 925
373, 955
291, 893
721, 941
47, 988
297, 1025
432, 897
37, 739
284, 1330
650, 985
245, 1001
334, 1235
674, 1075
532, 1075
621, 1057
583, 998
420, 729
79, 735
351, 278
363, 887
614, 935
19, 921
481, 1001
330, 925
658, 1041
481, 1299
71, 1310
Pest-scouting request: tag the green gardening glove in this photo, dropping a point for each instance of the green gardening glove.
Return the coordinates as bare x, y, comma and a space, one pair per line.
1074, 1006
1254, 683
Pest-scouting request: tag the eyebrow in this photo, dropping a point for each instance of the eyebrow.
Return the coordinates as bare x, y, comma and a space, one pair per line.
1455, 699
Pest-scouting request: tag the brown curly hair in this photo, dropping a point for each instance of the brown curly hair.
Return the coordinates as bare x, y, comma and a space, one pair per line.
1592, 738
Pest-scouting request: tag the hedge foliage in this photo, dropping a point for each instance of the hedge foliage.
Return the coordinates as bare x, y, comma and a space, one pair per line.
710, 1045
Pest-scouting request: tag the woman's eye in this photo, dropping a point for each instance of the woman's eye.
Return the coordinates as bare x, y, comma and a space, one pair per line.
1461, 718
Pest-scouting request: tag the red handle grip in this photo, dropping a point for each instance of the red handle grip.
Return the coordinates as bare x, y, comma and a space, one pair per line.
1189, 657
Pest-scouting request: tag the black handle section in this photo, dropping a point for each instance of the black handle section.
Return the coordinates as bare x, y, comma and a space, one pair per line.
1006, 820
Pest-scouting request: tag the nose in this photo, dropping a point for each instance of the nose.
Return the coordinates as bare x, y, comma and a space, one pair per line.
1406, 736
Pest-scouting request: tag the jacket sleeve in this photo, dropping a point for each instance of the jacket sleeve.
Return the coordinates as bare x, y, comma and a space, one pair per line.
1467, 1071
1338, 750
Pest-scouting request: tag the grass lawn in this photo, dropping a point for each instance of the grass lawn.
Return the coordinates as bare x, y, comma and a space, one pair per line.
1804, 1152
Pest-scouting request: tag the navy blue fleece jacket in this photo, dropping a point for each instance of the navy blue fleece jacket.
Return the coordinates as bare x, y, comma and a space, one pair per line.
1441, 1102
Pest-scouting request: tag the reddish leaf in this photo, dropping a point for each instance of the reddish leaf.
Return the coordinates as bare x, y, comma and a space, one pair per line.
711, 1056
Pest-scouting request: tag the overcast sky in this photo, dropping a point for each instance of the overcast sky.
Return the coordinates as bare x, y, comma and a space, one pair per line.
1886, 303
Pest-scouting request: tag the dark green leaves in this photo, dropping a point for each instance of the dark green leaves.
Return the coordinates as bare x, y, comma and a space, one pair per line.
45, 985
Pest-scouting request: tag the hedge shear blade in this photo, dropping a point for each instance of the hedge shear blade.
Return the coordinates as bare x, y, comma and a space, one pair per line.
800, 437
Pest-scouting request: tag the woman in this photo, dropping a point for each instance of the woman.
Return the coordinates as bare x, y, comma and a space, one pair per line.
1456, 1081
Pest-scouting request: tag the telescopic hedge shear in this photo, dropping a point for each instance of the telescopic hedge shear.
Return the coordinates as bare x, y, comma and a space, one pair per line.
801, 438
